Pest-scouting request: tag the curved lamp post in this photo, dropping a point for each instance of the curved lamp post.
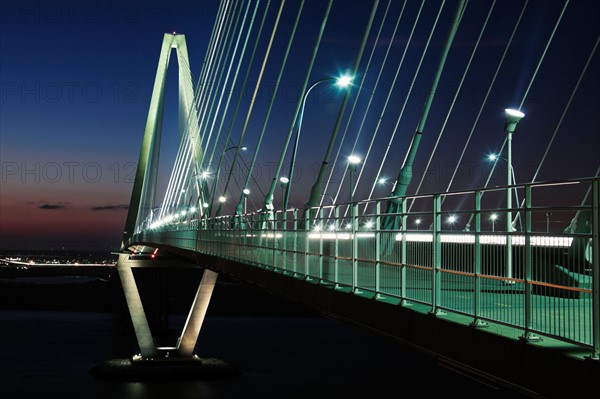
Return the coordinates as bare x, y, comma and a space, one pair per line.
243, 148
342, 82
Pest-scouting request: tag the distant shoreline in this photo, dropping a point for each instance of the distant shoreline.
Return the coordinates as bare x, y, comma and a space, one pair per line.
61, 256
98, 289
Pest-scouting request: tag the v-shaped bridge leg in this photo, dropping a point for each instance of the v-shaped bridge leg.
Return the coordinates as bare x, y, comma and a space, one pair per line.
191, 330
136, 309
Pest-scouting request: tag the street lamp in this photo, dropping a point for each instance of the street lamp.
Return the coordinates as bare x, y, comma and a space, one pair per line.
493, 218
246, 193
283, 181
353, 162
451, 221
418, 222
342, 82
383, 181
494, 158
512, 119
243, 148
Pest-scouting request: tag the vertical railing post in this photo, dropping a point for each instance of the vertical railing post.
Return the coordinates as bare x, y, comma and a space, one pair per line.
336, 261
354, 213
295, 247
508, 253
231, 236
284, 240
403, 256
219, 236
378, 247
306, 242
215, 235
274, 251
252, 221
321, 222
596, 269
437, 255
477, 265
228, 233
241, 235
528, 335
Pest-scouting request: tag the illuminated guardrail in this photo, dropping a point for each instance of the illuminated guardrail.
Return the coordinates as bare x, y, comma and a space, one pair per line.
545, 282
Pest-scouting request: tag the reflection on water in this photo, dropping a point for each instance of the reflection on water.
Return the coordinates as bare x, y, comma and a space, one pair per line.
50, 353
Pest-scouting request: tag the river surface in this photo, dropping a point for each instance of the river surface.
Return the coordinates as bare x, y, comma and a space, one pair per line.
48, 354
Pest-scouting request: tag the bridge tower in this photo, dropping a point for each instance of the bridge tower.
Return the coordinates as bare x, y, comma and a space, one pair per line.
142, 205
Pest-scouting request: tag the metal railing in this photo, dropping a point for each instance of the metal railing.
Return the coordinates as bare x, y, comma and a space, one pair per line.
449, 253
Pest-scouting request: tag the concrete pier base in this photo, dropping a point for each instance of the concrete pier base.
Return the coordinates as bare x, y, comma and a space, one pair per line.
164, 369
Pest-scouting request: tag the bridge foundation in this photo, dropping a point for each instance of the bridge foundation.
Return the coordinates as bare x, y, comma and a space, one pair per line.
154, 363
186, 342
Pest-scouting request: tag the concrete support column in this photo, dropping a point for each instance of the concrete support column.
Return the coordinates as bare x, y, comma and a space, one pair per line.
191, 330
136, 309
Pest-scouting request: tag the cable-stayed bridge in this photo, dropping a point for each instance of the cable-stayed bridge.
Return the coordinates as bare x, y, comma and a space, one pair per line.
454, 199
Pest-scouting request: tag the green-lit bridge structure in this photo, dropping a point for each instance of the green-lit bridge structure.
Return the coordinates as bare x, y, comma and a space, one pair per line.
500, 281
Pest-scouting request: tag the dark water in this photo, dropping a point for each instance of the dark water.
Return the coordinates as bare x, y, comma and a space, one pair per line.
52, 334
48, 354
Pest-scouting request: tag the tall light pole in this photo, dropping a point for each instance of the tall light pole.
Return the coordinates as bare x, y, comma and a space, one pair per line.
512, 119
383, 181
202, 188
494, 158
353, 162
244, 148
342, 82
246, 193
493, 217
283, 182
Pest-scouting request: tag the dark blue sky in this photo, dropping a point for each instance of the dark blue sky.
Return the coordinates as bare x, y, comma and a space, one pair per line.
77, 78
